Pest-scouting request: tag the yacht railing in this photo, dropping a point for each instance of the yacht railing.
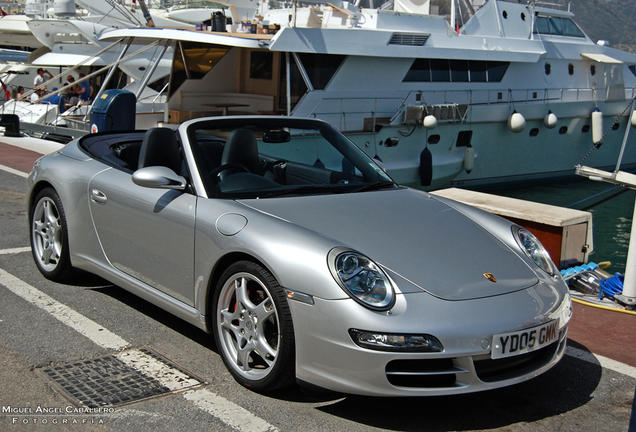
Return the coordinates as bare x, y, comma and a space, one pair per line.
358, 113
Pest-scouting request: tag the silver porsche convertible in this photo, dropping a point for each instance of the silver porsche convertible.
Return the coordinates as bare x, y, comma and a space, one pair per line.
302, 257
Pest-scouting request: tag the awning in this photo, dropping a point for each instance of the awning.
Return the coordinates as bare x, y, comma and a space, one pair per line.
601, 58
63, 60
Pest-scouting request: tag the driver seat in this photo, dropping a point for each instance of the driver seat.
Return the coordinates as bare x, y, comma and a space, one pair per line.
160, 148
241, 148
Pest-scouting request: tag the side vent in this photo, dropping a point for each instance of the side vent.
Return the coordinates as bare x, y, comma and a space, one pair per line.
409, 39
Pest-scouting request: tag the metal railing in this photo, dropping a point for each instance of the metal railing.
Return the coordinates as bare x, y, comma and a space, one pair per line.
354, 110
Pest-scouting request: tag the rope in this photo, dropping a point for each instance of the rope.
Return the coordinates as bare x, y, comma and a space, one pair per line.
611, 286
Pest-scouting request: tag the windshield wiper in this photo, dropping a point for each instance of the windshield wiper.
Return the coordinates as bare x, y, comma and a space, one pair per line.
372, 186
303, 190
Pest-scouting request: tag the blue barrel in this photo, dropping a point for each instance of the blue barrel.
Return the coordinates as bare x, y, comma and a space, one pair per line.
114, 110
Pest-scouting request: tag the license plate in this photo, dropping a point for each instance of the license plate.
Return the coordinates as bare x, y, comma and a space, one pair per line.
524, 341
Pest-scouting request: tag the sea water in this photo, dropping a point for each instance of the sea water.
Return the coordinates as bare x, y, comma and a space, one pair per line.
611, 219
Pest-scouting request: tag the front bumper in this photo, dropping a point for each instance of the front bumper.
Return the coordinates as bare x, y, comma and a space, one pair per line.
326, 356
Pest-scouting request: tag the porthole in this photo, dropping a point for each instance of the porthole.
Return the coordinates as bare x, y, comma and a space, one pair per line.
593, 70
434, 139
571, 69
534, 132
585, 128
505, 14
548, 68
563, 130
523, 16
615, 126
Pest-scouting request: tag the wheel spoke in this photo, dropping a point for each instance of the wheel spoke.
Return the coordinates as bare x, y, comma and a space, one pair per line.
243, 356
264, 310
242, 297
49, 213
266, 351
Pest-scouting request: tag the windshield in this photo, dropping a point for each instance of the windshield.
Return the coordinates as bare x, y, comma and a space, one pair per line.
266, 157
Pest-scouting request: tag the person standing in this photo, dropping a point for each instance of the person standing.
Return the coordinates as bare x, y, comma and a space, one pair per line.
39, 78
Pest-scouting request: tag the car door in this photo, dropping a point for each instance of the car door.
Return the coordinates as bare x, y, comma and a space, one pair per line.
146, 233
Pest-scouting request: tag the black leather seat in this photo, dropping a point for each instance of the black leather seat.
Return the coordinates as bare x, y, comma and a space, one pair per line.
241, 148
160, 148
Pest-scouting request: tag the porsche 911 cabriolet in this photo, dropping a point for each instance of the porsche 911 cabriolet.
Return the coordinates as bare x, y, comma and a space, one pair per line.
302, 257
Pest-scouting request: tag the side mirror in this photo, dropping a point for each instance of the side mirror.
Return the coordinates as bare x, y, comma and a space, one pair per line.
158, 177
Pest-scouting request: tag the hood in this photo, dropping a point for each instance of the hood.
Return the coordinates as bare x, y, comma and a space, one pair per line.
414, 235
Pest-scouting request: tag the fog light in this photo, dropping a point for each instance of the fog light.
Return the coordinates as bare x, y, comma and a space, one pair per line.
396, 342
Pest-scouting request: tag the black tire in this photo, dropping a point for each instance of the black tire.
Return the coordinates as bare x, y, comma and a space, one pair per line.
49, 236
253, 327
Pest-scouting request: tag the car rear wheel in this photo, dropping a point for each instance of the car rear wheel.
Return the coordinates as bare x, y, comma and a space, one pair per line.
49, 237
253, 327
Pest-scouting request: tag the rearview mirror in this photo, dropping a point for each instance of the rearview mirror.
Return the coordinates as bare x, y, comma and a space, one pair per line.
276, 136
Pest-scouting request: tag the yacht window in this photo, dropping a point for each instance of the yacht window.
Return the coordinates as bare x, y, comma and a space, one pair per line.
463, 138
632, 68
158, 85
541, 25
320, 68
443, 70
478, 71
571, 29
440, 70
496, 71
193, 60
459, 70
557, 26
261, 65
420, 71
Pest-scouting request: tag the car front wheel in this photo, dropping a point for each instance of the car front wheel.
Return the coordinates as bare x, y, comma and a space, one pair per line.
49, 238
253, 327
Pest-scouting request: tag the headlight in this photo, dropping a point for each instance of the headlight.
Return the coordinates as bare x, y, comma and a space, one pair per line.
535, 250
361, 278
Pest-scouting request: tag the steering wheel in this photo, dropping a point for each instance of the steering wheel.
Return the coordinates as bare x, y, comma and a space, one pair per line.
215, 173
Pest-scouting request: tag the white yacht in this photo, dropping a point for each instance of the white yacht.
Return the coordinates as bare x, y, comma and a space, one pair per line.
516, 90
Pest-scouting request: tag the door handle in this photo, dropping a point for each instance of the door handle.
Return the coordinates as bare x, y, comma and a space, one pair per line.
98, 197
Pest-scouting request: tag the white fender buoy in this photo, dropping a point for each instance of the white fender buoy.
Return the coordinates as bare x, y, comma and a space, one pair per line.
633, 119
430, 122
516, 122
469, 159
550, 120
597, 126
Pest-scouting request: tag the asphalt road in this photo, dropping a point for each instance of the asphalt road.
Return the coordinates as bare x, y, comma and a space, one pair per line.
45, 331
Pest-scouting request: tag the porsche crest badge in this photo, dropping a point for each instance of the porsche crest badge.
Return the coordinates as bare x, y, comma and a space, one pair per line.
490, 277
